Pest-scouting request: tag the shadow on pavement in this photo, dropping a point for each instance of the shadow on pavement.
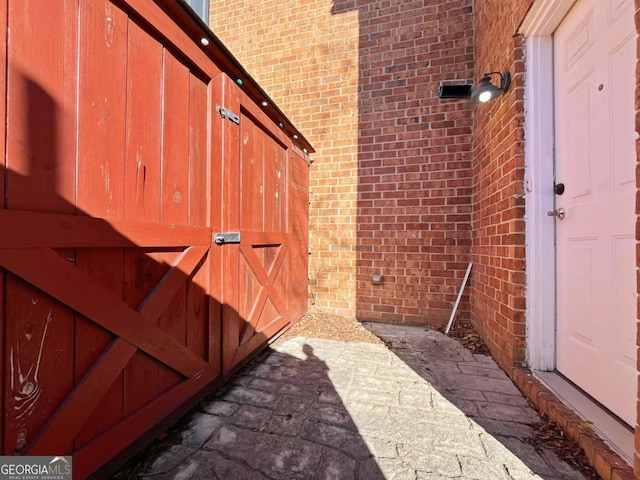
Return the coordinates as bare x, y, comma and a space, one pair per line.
479, 388
278, 418
308, 408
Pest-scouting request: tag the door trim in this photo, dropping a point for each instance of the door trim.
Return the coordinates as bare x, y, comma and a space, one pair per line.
538, 27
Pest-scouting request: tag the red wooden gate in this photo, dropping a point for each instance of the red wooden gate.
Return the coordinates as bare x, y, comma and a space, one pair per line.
257, 207
118, 170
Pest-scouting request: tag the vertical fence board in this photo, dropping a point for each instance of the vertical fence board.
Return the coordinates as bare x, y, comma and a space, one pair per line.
197, 312
142, 273
281, 196
40, 158
272, 169
298, 188
144, 124
269, 204
250, 176
251, 205
3, 157
39, 374
173, 322
41, 84
106, 267
231, 222
275, 207
102, 90
175, 144
199, 197
216, 186
101, 188
143, 192
175, 184
198, 141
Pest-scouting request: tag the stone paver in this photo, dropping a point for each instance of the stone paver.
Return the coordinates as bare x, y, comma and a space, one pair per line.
425, 408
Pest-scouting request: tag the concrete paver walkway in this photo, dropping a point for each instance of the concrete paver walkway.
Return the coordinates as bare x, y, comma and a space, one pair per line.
322, 409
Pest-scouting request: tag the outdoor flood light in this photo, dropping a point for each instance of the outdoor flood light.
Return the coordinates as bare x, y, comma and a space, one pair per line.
487, 91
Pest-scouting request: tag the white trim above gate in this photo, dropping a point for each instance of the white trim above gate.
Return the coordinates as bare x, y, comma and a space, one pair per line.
538, 27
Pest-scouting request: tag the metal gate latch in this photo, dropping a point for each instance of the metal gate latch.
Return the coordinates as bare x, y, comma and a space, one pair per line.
226, 113
227, 237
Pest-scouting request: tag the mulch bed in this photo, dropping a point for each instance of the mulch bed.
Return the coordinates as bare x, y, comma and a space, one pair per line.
331, 327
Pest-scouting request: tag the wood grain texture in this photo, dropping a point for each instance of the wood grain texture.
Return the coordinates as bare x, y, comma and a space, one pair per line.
144, 125
231, 321
102, 106
39, 335
199, 140
143, 181
198, 311
41, 84
3, 172
268, 273
90, 299
104, 266
174, 205
3, 131
175, 142
24, 229
143, 271
40, 173
97, 381
298, 195
216, 255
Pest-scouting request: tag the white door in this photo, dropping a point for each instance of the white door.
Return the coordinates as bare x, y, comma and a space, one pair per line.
594, 68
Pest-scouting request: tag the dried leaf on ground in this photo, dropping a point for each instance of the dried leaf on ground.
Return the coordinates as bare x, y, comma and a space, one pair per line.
549, 435
467, 336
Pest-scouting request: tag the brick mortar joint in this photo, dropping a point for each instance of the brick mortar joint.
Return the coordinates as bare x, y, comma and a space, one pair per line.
533, 389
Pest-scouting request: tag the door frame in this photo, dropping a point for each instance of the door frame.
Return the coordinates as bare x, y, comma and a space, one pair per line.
541, 21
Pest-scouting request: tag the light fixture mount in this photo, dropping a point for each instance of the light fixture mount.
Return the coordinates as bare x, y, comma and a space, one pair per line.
487, 91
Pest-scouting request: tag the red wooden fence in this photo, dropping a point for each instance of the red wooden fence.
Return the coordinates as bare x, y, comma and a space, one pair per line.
117, 306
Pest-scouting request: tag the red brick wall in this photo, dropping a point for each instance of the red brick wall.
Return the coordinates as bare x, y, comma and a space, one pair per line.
414, 159
498, 229
391, 180
498, 284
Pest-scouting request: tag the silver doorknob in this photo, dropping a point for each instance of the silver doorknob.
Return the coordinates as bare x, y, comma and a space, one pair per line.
559, 213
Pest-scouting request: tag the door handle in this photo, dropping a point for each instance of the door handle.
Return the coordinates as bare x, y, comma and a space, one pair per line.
559, 213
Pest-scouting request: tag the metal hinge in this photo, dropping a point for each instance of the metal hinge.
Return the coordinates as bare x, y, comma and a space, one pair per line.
226, 237
226, 113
